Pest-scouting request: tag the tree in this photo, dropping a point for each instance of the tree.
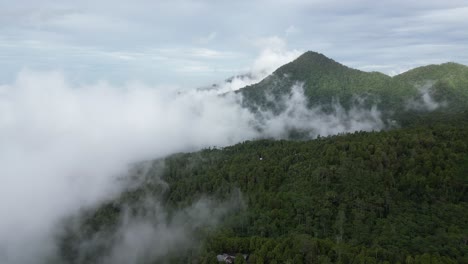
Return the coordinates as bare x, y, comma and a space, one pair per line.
239, 259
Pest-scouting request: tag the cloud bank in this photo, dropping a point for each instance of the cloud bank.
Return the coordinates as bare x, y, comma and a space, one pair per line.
274, 53
66, 147
316, 121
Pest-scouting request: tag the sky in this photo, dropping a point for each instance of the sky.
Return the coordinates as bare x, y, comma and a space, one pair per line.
186, 44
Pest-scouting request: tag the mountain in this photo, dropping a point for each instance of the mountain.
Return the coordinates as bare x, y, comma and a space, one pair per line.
394, 196
448, 82
325, 81
456, 74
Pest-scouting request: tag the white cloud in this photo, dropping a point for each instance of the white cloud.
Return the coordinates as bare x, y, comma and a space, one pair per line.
64, 147
314, 121
425, 100
146, 233
273, 54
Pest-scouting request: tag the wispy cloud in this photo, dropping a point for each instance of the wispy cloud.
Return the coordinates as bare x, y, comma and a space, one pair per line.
65, 147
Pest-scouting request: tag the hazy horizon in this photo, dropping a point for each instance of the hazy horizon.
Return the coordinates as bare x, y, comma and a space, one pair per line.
187, 44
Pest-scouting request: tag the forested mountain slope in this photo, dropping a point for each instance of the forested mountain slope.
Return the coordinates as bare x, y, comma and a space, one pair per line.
397, 196
326, 81
448, 82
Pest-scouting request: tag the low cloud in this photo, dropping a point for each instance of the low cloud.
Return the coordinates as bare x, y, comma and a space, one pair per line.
273, 54
315, 121
67, 147
148, 231
425, 100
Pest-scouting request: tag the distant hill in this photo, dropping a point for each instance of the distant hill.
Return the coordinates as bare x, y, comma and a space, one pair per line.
449, 82
326, 80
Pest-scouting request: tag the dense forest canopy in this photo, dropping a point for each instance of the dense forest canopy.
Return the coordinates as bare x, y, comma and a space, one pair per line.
393, 196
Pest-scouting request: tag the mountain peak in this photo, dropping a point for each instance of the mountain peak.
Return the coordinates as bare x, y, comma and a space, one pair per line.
312, 55
325, 80
310, 61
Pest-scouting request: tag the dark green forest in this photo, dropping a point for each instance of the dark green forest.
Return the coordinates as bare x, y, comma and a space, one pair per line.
396, 196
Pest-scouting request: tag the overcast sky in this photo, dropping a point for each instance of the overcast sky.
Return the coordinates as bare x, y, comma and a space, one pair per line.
191, 43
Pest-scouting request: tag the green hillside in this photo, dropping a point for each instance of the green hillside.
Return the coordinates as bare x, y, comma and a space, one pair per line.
397, 196
449, 82
456, 74
326, 80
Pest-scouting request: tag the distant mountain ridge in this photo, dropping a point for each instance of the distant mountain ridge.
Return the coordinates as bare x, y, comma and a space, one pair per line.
325, 80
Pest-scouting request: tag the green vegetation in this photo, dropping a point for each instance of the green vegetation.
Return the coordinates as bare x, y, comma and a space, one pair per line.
449, 83
380, 197
396, 196
326, 80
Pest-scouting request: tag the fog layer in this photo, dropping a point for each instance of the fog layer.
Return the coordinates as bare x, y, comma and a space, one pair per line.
64, 147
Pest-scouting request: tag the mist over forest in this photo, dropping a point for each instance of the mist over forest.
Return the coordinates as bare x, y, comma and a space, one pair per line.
127, 137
